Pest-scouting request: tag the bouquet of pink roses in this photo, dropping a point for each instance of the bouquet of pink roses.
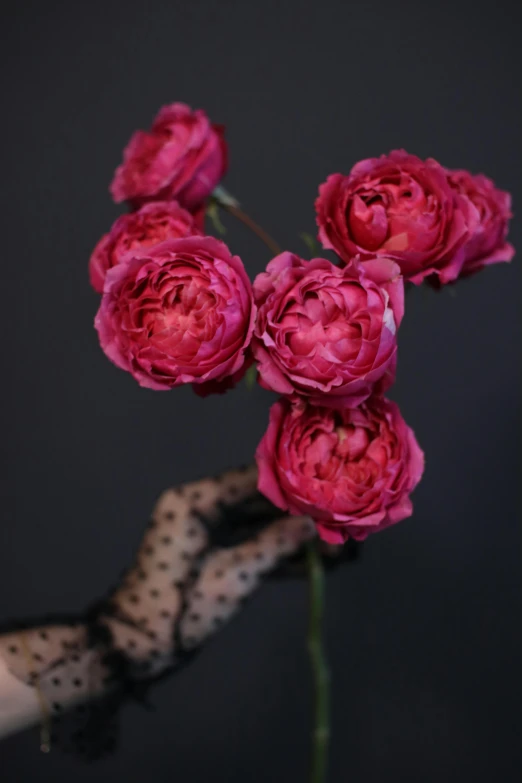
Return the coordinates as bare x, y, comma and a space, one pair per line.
177, 307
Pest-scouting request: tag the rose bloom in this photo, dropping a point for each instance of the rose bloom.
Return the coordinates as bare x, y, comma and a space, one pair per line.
397, 206
491, 211
351, 470
178, 312
151, 224
326, 333
183, 156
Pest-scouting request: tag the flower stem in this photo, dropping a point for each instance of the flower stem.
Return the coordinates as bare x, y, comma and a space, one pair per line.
321, 734
231, 205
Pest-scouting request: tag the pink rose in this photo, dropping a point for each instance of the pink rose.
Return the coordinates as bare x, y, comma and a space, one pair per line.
397, 206
491, 211
178, 312
351, 470
183, 156
326, 333
151, 224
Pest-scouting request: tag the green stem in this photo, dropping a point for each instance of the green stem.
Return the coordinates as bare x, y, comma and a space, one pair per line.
231, 205
321, 734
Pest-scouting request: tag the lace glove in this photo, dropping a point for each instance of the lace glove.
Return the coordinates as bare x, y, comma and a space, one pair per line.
207, 546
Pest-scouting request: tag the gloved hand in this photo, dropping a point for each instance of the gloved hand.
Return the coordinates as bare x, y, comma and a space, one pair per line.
206, 548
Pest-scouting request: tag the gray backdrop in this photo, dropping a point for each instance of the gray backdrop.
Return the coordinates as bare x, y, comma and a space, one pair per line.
423, 632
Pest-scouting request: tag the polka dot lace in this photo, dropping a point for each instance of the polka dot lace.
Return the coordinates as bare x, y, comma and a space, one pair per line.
206, 548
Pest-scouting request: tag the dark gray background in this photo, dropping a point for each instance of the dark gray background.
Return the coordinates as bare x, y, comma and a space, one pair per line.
423, 633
